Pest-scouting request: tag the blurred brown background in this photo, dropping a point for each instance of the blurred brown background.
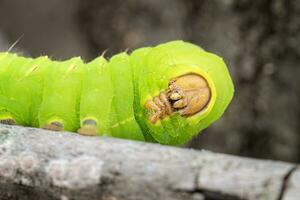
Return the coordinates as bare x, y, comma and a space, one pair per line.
259, 40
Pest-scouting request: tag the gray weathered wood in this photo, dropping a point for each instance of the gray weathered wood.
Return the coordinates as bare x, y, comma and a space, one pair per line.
40, 164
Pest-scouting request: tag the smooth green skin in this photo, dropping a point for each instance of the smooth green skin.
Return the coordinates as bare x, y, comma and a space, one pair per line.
113, 93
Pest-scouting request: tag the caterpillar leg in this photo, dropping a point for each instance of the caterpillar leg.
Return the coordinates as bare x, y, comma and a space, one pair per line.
160, 106
7, 118
187, 95
8, 121
88, 127
54, 126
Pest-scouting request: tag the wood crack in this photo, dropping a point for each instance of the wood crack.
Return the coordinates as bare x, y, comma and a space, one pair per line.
285, 182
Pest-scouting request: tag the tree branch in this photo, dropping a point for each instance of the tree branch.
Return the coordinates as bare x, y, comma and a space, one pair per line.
40, 164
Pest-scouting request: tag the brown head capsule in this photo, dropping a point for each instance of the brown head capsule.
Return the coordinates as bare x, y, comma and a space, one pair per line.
187, 95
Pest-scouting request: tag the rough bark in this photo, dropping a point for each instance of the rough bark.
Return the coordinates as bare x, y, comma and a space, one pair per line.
40, 164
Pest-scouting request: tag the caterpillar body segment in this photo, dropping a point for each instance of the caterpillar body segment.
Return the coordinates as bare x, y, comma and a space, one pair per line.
61, 95
165, 94
137, 64
122, 116
96, 98
21, 87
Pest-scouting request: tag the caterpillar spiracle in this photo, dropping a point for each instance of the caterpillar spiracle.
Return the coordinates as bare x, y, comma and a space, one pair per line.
165, 94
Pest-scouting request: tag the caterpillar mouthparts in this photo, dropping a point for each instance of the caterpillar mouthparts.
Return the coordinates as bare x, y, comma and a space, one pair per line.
187, 95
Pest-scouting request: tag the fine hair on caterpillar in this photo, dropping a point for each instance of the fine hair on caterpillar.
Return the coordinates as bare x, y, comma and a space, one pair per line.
165, 94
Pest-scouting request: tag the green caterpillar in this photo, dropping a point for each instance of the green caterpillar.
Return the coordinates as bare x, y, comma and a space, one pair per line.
165, 94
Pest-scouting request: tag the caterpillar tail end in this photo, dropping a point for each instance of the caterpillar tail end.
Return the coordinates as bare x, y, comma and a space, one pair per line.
88, 128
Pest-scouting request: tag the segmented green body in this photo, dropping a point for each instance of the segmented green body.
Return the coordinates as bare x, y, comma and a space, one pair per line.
114, 92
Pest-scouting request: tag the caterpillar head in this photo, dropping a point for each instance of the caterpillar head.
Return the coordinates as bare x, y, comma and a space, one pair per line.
189, 89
